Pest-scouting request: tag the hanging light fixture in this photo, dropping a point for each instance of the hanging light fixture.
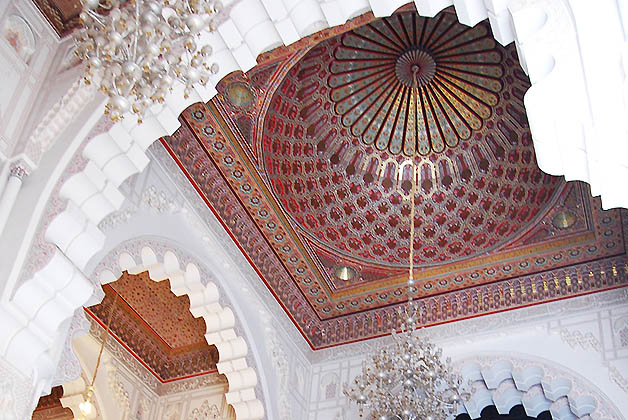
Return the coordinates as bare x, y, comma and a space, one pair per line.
87, 407
408, 380
135, 52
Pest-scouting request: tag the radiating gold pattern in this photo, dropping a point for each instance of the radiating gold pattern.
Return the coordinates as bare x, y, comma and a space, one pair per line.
351, 195
458, 74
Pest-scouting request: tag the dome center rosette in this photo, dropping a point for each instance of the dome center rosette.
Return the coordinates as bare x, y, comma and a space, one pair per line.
459, 75
341, 130
415, 61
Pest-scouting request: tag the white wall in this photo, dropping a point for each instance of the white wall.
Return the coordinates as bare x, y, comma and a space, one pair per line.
159, 215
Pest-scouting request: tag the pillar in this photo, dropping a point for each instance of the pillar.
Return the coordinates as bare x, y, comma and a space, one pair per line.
11, 190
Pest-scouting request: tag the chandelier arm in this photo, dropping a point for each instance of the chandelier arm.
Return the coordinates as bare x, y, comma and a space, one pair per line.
140, 59
96, 17
137, 28
114, 85
104, 6
125, 52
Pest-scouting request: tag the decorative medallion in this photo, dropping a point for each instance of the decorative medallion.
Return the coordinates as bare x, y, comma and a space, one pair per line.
20, 36
458, 71
240, 94
345, 273
563, 219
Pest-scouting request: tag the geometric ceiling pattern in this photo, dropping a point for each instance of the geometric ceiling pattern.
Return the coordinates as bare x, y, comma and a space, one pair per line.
156, 327
321, 210
353, 197
458, 75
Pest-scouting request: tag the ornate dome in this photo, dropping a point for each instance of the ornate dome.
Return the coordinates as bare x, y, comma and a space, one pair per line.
340, 134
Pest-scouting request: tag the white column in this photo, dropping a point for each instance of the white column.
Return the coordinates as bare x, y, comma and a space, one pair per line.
10, 192
4, 174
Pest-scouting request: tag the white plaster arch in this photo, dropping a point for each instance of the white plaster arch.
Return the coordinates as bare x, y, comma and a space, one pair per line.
506, 380
565, 123
219, 320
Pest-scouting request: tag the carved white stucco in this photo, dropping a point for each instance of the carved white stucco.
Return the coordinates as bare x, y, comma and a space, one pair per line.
120, 392
506, 380
576, 108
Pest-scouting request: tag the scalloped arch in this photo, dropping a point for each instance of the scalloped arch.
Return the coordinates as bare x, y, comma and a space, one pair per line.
507, 381
219, 320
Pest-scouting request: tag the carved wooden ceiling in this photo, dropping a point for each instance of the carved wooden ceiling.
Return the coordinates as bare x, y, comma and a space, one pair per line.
49, 407
306, 161
63, 15
156, 326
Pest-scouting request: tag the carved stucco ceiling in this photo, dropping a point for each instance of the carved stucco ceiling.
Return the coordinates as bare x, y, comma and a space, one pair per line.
319, 206
156, 326
458, 70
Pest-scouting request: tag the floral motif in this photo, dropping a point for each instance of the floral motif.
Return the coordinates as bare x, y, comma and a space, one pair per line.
205, 412
19, 35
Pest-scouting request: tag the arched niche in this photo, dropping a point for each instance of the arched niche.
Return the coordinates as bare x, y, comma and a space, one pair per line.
507, 380
205, 302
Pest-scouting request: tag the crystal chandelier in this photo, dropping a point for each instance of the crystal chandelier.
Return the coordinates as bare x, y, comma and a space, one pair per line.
135, 52
407, 380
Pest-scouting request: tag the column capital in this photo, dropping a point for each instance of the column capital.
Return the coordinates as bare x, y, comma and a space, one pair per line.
19, 169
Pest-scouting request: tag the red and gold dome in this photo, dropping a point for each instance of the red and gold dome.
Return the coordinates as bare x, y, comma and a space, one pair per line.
343, 127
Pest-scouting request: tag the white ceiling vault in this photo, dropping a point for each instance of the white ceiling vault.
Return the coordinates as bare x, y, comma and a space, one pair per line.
575, 53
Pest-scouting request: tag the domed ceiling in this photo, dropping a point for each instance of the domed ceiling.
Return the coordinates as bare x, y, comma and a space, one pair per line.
344, 125
306, 161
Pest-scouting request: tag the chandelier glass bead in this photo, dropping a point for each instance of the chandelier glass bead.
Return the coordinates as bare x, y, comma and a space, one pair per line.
136, 50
